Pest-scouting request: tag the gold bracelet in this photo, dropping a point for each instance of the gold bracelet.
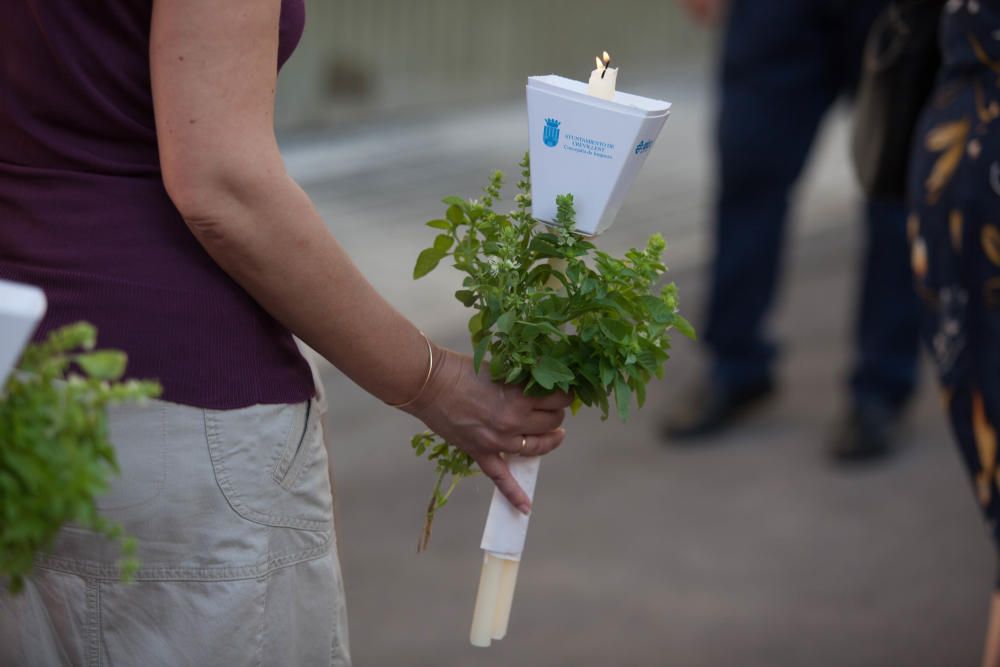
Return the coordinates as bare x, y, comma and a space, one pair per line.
430, 369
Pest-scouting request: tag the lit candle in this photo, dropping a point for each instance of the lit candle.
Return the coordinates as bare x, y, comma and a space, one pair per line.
506, 528
603, 79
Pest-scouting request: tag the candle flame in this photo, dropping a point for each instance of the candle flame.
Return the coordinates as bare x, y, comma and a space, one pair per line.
606, 58
597, 60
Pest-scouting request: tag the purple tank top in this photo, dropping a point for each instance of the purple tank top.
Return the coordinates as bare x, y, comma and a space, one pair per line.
84, 214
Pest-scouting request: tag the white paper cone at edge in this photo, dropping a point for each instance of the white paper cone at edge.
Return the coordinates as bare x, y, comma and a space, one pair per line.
21, 309
588, 147
506, 528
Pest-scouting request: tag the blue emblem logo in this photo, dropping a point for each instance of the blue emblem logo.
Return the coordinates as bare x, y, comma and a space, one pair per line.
550, 135
643, 146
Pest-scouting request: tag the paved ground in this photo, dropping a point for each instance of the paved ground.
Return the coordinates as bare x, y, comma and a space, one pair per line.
749, 550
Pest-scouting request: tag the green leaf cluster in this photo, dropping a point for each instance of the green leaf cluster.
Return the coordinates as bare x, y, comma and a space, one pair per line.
552, 311
55, 456
450, 462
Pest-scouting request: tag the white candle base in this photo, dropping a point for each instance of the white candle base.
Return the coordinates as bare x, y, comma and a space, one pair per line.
486, 601
505, 598
494, 600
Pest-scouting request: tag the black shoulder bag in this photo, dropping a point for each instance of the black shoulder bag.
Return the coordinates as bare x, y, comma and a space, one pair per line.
901, 60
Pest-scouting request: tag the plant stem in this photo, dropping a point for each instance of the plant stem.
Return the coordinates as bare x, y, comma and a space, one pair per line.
432, 507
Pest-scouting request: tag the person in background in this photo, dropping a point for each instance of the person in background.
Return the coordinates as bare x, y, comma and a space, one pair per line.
784, 64
142, 188
954, 229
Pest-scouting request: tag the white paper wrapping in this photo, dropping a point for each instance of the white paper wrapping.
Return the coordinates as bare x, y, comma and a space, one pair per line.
506, 528
21, 308
588, 147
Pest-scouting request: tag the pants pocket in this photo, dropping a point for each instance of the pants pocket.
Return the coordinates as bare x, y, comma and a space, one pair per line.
290, 462
270, 463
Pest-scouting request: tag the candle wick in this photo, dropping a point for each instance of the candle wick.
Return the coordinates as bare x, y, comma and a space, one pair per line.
605, 70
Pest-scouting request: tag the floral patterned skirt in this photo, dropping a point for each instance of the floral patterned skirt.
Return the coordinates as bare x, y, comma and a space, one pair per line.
954, 232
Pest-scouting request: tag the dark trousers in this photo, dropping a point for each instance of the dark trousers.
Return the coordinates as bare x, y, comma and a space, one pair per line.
783, 66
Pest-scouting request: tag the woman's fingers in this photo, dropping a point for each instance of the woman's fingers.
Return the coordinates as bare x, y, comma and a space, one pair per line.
560, 400
496, 469
536, 445
539, 445
541, 421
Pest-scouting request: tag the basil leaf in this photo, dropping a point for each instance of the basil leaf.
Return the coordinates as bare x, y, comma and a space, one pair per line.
548, 371
622, 397
103, 365
505, 322
427, 261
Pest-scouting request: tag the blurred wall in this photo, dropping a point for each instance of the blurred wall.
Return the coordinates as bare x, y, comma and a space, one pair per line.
365, 60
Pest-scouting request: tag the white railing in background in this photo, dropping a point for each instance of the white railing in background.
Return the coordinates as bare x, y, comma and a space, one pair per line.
368, 59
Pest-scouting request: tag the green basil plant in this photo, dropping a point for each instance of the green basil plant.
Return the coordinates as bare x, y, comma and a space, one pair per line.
551, 312
55, 456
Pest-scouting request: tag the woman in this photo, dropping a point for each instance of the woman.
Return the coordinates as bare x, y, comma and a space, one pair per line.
955, 242
141, 186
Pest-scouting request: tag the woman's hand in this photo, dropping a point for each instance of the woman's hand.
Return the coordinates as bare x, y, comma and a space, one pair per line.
486, 419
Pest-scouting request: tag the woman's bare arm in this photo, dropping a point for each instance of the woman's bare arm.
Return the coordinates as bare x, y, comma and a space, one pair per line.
213, 67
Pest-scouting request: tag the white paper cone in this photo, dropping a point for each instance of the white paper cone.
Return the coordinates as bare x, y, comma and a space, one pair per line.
21, 308
588, 147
